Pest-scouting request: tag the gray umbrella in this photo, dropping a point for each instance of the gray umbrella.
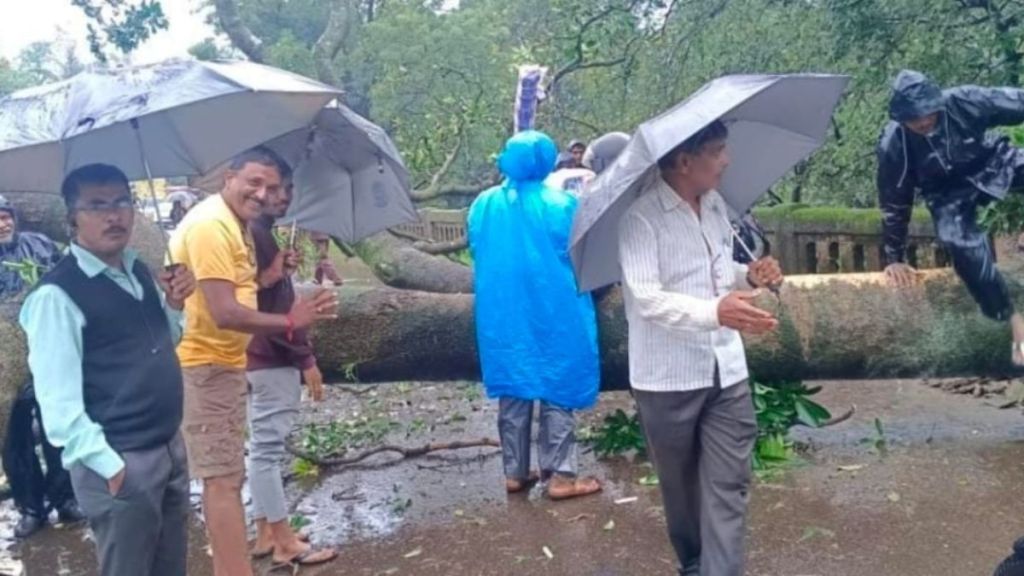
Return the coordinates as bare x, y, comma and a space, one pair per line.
774, 123
186, 116
349, 179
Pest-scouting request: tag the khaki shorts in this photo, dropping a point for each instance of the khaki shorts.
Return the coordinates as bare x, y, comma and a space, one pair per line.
214, 420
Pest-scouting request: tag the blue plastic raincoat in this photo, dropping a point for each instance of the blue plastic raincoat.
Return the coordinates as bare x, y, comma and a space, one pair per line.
537, 336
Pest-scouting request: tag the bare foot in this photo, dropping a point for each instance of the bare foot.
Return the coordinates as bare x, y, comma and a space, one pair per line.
1017, 325
263, 545
563, 487
513, 485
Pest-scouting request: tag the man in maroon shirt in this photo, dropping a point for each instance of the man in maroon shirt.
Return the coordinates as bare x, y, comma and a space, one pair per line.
276, 366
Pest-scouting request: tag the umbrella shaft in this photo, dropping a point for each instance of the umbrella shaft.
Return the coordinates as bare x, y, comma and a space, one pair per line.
152, 192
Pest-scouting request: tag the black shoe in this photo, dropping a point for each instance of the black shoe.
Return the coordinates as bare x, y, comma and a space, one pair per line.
70, 513
690, 569
29, 525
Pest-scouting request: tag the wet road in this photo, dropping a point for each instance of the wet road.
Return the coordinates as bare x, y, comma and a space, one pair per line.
942, 499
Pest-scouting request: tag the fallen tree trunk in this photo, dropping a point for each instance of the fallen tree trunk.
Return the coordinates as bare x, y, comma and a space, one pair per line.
846, 326
399, 264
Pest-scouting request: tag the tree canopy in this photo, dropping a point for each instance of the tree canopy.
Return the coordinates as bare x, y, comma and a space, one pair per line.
440, 74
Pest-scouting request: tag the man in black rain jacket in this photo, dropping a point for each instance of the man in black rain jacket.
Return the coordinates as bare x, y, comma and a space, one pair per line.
939, 143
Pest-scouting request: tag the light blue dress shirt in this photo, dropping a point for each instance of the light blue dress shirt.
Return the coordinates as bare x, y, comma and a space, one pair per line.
54, 326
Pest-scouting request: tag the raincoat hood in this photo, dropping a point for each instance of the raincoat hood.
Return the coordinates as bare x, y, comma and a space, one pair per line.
914, 95
529, 156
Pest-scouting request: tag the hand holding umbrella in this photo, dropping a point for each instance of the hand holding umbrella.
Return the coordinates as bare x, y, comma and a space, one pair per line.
764, 272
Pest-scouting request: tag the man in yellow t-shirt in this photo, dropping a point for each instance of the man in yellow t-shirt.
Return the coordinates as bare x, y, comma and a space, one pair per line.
213, 241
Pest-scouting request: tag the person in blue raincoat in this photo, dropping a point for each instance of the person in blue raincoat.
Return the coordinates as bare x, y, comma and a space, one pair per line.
537, 336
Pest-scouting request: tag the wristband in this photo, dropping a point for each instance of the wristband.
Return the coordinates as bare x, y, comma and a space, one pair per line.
290, 332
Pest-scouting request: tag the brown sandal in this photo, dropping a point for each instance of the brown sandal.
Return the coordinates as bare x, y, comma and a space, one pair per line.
562, 488
513, 485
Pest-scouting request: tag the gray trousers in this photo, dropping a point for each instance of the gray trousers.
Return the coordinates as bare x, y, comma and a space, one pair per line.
556, 439
143, 530
273, 405
701, 444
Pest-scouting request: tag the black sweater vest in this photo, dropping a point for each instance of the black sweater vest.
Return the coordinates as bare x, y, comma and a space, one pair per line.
131, 377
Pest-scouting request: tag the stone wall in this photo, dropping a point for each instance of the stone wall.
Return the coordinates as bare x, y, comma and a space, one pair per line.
805, 239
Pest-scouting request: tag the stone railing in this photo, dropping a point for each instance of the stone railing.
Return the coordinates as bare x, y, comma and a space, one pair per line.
805, 239
826, 240
437, 225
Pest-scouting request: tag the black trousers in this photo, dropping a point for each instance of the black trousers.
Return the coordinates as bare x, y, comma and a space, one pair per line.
35, 492
955, 214
956, 225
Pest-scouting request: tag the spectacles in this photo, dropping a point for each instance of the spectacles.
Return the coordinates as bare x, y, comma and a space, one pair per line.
122, 205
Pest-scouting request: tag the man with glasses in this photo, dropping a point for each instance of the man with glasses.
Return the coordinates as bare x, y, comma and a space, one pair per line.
101, 335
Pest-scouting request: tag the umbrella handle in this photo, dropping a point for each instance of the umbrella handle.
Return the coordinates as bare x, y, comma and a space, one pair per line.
773, 288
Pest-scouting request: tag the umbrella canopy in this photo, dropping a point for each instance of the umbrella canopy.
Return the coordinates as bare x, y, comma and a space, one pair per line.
187, 116
350, 181
774, 123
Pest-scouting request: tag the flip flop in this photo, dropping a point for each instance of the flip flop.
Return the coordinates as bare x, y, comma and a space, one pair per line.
311, 557
260, 554
579, 487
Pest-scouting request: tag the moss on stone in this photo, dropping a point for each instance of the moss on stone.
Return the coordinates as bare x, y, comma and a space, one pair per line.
848, 220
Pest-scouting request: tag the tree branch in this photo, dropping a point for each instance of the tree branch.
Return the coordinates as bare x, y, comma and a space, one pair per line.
331, 40
441, 248
577, 62
405, 453
433, 190
239, 34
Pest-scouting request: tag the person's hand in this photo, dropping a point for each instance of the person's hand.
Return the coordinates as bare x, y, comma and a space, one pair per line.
284, 264
900, 275
178, 283
737, 311
115, 484
323, 305
290, 261
314, 382
765, 273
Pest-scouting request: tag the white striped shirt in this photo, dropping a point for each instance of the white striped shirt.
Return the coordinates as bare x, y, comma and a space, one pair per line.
676, 267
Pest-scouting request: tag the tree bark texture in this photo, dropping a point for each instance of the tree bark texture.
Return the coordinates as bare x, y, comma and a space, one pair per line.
399, 264
844, 326
239, 34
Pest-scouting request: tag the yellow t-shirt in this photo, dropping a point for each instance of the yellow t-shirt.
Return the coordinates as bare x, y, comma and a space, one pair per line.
214, 245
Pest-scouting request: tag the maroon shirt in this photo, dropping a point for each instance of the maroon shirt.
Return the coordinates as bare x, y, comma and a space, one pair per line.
275, 350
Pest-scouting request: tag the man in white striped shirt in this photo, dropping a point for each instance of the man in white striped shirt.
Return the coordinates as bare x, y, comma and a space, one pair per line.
687, 302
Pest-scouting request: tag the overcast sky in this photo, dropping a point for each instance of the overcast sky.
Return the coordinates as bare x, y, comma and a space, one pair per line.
25, 21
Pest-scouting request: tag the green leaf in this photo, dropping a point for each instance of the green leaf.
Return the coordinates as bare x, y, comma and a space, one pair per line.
810, 413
